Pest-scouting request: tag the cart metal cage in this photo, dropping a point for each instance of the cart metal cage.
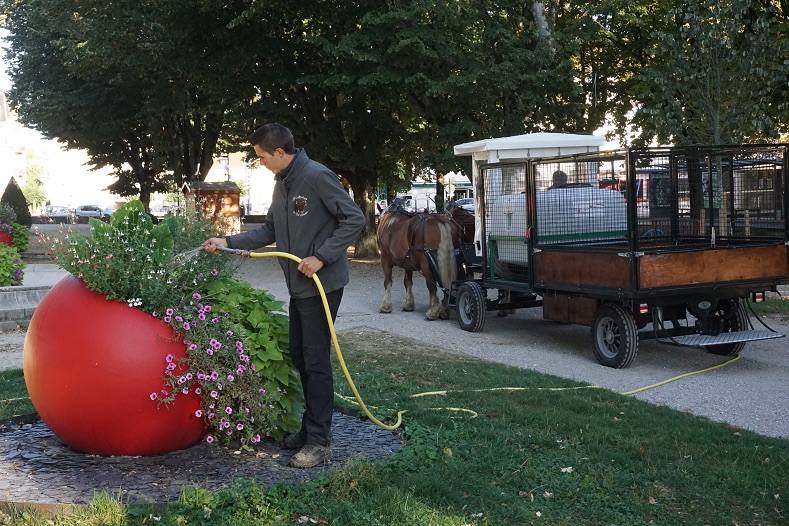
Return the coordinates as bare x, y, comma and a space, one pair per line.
577, 223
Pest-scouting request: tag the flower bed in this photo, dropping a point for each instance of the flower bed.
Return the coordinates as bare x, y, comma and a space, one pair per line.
235, 337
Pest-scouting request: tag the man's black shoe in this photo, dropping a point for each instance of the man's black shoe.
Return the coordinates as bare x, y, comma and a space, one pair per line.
295, 440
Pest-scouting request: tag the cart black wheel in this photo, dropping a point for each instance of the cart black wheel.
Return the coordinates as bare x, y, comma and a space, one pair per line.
614, 336
471, 306
734, 318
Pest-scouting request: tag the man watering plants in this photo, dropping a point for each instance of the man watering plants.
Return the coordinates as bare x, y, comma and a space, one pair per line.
312, 217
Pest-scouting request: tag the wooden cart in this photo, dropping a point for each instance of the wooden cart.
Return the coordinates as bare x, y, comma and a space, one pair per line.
653, 243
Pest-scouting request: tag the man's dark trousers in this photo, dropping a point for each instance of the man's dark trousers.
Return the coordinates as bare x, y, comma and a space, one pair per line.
310, 350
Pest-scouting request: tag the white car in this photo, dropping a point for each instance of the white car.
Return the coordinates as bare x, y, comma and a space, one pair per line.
467, 203
84, 212
106, 213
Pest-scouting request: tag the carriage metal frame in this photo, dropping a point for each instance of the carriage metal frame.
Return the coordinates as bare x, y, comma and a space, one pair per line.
699, 232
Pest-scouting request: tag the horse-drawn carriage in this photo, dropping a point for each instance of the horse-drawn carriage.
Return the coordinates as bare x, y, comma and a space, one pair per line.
655, 243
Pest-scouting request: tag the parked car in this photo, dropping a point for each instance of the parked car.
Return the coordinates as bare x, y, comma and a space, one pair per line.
106, 213
467, 203
84, 212
57, 210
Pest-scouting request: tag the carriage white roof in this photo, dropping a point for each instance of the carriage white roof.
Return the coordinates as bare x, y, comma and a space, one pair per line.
529, 145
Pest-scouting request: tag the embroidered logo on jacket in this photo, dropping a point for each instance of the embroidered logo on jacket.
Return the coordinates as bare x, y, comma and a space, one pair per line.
300, 205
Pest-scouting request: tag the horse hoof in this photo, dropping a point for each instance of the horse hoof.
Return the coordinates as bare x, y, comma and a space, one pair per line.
408, 309
385, 311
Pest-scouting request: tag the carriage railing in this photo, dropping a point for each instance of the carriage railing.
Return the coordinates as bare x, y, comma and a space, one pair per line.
630, 201
672, 197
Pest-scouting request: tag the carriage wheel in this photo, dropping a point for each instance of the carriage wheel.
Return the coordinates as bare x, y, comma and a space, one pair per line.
471, 306
614, 336
734, 318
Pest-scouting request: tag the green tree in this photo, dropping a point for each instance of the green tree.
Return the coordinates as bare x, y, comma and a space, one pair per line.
385, 95
143, 87
33, 190
714, 70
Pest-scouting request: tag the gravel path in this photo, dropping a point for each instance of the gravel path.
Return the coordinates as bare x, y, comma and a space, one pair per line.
752, 392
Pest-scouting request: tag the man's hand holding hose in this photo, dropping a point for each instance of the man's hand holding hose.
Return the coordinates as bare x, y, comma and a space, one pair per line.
210, 245
307, 266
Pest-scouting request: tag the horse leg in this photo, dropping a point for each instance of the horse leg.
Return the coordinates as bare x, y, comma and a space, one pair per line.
444, 307
433, 306
503, 313
408, 281
386, 304
447, 263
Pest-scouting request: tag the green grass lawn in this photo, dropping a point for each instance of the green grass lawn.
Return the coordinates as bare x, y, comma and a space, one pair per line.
549, 453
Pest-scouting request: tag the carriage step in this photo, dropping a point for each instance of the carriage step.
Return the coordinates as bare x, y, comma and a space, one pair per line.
704, 340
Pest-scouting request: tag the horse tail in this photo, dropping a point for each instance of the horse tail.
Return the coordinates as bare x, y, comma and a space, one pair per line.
447, 267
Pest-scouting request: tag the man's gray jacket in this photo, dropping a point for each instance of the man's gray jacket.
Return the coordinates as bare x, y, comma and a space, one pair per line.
311, 214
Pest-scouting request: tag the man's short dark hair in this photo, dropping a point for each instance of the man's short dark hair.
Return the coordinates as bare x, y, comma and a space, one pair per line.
269, 137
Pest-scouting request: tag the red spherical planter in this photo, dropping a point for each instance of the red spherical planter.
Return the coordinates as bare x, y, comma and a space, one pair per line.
6, 238
90, 367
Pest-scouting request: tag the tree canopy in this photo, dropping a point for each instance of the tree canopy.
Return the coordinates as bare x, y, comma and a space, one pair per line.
380, 91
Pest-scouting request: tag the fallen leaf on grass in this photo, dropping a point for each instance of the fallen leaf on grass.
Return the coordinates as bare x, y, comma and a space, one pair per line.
568, 469
652, 500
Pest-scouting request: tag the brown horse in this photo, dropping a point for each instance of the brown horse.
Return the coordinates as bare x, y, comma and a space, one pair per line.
418, 242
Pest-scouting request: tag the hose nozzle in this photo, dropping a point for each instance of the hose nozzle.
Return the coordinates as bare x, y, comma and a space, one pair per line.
236, 251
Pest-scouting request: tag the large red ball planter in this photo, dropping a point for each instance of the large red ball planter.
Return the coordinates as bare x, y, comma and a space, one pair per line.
90, 367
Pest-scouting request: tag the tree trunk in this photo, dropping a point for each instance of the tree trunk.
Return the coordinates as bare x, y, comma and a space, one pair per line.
363, 187
440, 206
538, 12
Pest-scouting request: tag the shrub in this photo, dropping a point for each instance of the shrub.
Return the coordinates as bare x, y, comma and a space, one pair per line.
7, 214
11, 267
14, 197
237, 358
21, 237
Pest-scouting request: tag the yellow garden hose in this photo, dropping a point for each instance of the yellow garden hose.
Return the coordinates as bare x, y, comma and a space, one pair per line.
248, 254
626, 393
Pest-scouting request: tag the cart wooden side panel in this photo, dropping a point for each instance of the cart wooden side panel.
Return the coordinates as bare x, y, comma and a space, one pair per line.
582, 267
712, 265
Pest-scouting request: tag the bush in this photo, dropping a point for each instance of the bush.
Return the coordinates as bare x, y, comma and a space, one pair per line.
14, 197
236, 337
11, 267
7, 214
21, 237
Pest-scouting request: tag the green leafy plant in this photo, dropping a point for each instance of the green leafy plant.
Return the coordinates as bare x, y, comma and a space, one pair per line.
11, 267
236, 341
7, 213
261, 323
21, 237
